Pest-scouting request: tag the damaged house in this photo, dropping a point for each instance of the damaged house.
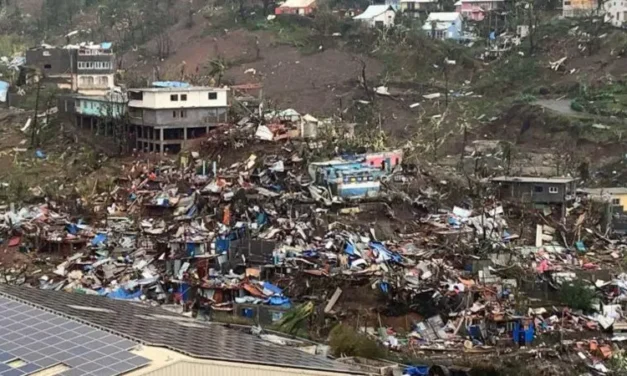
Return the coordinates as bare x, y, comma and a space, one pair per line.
86, 68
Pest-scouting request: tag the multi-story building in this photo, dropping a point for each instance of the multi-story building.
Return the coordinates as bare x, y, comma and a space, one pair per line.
88, 68
164, 118
578, 8
95, 69
476, 10
616, 12
418, 7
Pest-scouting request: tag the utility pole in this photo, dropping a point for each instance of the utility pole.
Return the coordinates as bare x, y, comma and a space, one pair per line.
33, 133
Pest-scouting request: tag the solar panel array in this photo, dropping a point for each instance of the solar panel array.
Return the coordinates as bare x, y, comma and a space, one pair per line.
155, 326
41, 340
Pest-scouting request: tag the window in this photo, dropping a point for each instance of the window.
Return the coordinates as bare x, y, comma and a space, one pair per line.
566, 3
46, 53
174, 114
135, 112
174, 98
183, 97
47, 66
616, 201
553, 190
183, 114
538, 189
103, 80
137, 95
213, 96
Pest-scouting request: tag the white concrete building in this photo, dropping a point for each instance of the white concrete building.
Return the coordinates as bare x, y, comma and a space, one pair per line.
164, 118
378, 16
616, 12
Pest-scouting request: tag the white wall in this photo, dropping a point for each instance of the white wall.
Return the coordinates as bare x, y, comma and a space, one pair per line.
195, 98
616, 12
387, 18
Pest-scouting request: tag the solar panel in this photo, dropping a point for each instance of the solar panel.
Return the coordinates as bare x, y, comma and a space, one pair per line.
40, 340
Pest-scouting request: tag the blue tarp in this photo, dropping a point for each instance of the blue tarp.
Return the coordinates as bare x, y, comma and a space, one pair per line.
417, 371
580, 246
170, 84
40, 154
106, 45
379, 247
385, 287
191, 249
262, 218
269, 286
310, 253
122, 294
223, 245
98, 239
350, 249
279, 301
4, 90
72, 229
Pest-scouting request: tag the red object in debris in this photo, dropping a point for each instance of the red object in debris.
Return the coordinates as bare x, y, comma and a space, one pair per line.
606, 351
253, 290
15, 241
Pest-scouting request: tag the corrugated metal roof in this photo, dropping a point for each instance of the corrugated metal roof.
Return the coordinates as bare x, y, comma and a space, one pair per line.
602, 191
373, 11
297, 3
155, 326
528, 179
443, 16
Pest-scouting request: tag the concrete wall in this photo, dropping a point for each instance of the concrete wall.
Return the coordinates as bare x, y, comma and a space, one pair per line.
218, 368
89, 107
527, 192
195, 98
54, 61
387, 18
110, 59
191, 116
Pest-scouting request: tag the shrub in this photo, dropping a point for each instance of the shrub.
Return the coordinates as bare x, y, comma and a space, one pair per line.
577, 295
345, 341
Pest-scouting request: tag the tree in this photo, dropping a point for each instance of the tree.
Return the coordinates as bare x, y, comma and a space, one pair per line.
216, 69
164, 45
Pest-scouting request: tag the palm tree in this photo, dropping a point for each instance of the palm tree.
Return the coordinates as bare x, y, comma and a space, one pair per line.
216, 69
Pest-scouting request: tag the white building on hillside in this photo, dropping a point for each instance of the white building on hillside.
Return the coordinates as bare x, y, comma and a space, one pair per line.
378, 16
616, 12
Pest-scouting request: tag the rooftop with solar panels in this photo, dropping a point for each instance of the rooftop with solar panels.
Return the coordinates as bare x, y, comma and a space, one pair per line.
46, 333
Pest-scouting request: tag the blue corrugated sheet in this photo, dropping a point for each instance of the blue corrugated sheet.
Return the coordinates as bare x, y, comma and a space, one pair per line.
170, 84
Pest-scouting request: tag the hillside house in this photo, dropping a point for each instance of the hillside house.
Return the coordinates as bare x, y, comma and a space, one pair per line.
476, 10
417, 8
444, 25
378, 16
164, 118
87, 68
616, 196
578, 8
535, 190
300, 7
616, 12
